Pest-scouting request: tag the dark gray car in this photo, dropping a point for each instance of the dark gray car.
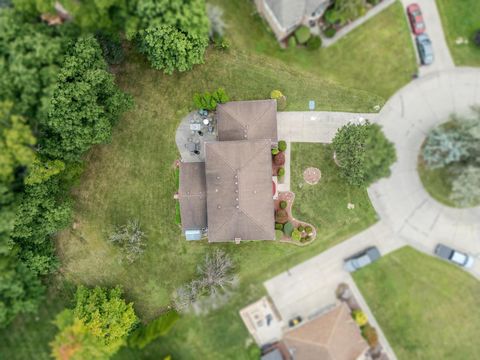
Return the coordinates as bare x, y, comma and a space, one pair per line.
362, 259
425, 49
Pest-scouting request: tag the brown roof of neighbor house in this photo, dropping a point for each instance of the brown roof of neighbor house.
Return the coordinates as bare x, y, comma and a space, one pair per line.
192, 195
247, 120
332, 336
239, 190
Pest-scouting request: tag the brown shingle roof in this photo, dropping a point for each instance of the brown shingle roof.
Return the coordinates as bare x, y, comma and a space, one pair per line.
332, 336
192, 195
239, 190
247, 120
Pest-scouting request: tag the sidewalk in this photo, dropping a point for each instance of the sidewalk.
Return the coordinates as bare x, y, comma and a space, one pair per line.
326, 42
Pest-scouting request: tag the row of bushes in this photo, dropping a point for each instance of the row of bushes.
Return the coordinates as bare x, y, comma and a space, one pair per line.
301, 233
369, 333
278, 154
302, 36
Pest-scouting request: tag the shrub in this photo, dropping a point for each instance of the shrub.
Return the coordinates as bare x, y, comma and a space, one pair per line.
296, 235
282, 145
465, 187
278, 226
276, 94
288, 229
360, 317
308, 229
370, 335
275, 151
145, 334
281, 216
279, 159
278, 234
476, 38
281, 172
373, 2
111, 47
300, 228
314, 43
331, 16
283, 204
209, 101
292, 42
302, 34
330, 32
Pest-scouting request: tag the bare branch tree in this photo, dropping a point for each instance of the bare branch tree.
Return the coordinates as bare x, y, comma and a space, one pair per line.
130, 238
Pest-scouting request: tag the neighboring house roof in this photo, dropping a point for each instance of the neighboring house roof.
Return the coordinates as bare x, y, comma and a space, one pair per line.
247, 120
332, 336
290, 13
239, 190
192, 195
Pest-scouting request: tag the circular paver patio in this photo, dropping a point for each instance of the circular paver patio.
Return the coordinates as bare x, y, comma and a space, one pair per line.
401, 200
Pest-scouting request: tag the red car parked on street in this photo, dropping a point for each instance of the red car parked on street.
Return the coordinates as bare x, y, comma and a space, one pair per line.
416, 19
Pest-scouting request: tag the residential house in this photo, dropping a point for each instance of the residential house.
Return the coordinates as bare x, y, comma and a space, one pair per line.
229, 197
285, 16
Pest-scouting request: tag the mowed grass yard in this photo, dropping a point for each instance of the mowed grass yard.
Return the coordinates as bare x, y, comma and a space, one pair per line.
427, 308
378, 56
460, 19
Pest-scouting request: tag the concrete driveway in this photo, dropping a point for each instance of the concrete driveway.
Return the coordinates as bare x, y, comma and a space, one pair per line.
443, 59
400, 200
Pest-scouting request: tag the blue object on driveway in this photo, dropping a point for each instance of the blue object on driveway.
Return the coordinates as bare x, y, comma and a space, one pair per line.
311, 104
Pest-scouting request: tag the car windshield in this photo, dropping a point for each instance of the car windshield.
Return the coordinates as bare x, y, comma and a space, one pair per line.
416, 13
459, 258
420, 25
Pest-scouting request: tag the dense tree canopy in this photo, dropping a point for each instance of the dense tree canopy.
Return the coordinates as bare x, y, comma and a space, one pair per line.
169, 49
85, 105
96, 328
364, 153
30, 57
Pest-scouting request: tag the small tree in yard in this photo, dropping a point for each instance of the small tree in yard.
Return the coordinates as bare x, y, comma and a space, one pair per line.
130, 238
364, 153
212, 287
170, 49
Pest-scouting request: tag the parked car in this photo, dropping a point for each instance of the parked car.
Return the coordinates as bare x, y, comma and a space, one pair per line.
362, 259
454, 256
416, 19
425, 49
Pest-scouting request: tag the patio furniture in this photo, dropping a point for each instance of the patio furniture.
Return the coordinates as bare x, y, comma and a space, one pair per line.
195, 127
311, 105
206, 121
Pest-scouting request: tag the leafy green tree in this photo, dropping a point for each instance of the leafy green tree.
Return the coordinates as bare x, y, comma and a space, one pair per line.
170, 49
466, 187
40, 171
16, 142
156, 328
186, 15
30, 57
96, 328
209, 101
364, 153
85, 105
41, 213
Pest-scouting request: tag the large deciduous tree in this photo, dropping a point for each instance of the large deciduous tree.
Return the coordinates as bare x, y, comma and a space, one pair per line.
30, 57
170, 49
85, 105
364, 153
97, 326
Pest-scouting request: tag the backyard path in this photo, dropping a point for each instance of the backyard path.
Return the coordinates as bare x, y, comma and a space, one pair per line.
407, 214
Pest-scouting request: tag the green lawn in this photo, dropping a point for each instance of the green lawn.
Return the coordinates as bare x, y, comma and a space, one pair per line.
378, 56
461, 19
437, 182
427, 308
331, 193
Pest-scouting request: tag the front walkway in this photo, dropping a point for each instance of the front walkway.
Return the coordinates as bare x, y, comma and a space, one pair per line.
356, 23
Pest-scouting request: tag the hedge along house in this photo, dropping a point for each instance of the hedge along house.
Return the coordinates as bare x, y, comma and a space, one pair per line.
285, 16
229, 196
